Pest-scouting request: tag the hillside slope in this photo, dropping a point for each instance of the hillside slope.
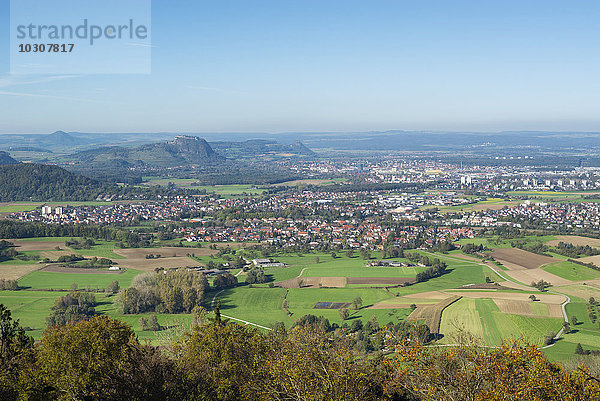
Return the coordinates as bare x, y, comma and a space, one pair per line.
6, 159
39, 182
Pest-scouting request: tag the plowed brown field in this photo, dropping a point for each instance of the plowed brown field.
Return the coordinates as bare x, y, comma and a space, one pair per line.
165, 252
527, 260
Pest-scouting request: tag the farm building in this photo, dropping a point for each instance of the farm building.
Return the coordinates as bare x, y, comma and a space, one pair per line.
266, 263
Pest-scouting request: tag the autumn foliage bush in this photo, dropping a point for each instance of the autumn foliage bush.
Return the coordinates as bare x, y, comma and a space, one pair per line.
101, 359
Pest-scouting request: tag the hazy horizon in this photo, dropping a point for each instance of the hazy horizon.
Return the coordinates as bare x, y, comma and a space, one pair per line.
273, 66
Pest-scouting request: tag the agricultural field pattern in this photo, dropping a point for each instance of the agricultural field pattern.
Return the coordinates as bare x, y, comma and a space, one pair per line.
318, 283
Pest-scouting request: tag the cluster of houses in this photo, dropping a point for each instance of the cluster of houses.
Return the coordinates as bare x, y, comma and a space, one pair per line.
314, 233
553, 215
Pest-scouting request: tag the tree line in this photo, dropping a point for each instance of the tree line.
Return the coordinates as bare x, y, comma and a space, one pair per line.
101, 359
163, 292
436, 267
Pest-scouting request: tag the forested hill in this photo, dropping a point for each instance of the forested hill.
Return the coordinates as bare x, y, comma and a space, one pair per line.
6, 159
39, 182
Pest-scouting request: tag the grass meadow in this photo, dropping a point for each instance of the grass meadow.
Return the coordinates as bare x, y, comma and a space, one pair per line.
63, 281
571, 271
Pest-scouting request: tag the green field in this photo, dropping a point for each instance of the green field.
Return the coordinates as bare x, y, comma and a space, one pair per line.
257, 305
283, 273
547, 194
563, 350
102, 249
16, 261
460, 272
584, 332
482, 318
63, 281
343, 266
14, 208
559, 197
496, 242
30, 307
225, 190
577, 308
341, 271
571, 271
263, 306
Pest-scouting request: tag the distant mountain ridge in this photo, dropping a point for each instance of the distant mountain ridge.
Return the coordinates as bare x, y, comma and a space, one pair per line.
61, 139
45, 142
352, 140
182, 150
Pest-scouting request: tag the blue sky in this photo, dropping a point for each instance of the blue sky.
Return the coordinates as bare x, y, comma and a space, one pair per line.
329, 65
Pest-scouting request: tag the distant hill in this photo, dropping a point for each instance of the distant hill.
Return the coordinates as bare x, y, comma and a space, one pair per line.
261, 147
39, 182
301, 149
45, 142
60, 139
182, 150
6, 159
